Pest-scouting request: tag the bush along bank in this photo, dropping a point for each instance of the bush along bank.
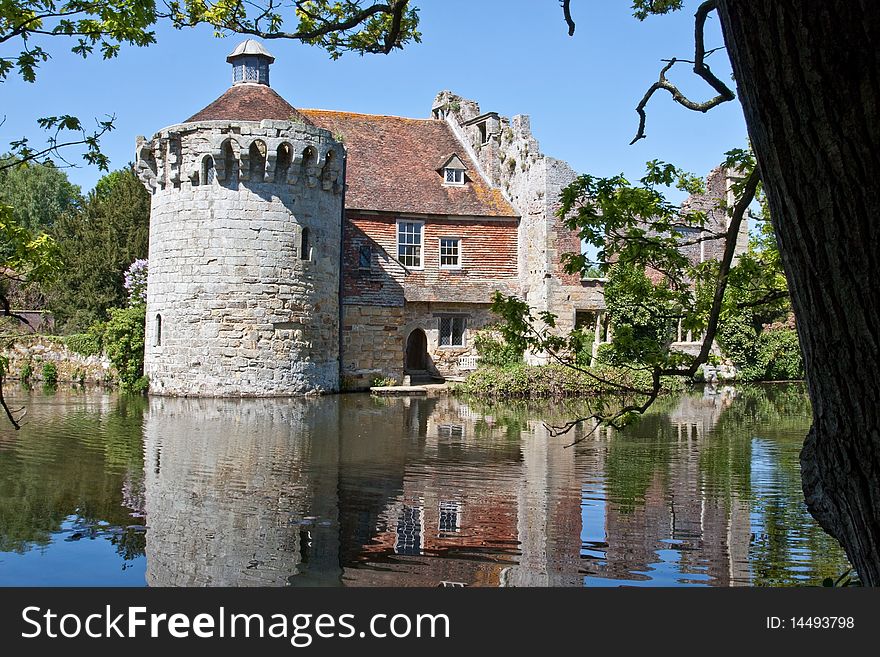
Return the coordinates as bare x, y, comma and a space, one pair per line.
521, 381
772, 353
51, 359
110, 353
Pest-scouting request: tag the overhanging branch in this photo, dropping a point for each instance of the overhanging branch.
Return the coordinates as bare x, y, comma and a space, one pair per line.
725, 94
566, 11
750, 187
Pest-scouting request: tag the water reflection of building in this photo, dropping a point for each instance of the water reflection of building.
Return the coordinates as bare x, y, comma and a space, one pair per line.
446, 524
479, 506
360, 491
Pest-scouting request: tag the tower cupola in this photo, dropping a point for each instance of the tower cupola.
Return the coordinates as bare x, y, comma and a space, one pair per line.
250, 63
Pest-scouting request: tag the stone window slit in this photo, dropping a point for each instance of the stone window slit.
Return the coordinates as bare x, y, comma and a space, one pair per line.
305, 247
208, 171
230, 163
158, 340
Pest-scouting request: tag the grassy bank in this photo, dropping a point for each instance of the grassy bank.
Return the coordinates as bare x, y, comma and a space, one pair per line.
553, 382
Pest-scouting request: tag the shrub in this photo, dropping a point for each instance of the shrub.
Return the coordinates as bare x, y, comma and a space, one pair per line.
494, 351
85, 344
738, 340
124, 343
553, 381
50, 374
779, 355
382, 381
26, 372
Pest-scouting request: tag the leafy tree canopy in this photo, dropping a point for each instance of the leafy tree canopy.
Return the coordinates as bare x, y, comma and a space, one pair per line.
653, 287
30, 29
39, 193
97, 244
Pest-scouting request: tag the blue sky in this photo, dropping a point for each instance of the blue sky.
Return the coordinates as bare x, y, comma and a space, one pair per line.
512, 56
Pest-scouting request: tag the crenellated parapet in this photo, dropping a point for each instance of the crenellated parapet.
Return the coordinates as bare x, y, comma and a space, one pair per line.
231, 152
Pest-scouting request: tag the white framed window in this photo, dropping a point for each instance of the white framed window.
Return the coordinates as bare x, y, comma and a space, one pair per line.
453, 176
409, 243
409, 538
452, 331
450, 517
450, 253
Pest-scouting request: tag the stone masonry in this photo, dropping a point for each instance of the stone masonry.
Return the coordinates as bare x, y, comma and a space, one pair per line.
510, 156
245, 230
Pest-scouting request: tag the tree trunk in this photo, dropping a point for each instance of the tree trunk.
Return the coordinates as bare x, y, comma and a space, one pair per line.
808, 75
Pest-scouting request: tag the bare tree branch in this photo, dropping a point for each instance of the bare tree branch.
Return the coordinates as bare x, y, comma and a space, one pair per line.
613, 420
770, 297
16, 422
566, 11
725, 94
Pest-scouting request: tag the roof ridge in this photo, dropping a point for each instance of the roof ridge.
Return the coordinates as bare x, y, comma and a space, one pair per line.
384, 116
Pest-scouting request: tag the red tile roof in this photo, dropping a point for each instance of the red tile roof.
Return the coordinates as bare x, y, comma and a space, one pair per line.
248, 102
391, 166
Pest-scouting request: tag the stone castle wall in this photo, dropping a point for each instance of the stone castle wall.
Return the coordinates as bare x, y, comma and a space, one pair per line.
35, 351
372, 344
245, 233
444, 360
374, 339
511, 158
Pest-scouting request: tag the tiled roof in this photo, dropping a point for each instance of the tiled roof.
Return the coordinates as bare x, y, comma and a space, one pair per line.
391, 166
249, 102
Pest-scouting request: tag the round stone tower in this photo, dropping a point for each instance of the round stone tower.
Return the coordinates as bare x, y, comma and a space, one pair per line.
245, 232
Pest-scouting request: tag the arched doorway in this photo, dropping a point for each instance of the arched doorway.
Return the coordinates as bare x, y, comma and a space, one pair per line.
417, 350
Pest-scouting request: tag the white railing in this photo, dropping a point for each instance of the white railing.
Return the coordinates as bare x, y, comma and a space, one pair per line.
467, 362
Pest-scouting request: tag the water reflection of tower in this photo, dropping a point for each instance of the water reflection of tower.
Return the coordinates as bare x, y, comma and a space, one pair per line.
548, 512
242, 492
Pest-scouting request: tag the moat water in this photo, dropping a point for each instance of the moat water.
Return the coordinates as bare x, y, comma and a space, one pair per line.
102, 489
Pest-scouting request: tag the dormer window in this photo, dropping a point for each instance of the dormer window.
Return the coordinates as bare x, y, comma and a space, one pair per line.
483, 133
453, 176
452, 169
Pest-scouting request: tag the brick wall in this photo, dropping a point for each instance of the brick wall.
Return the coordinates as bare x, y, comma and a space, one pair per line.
488, 257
